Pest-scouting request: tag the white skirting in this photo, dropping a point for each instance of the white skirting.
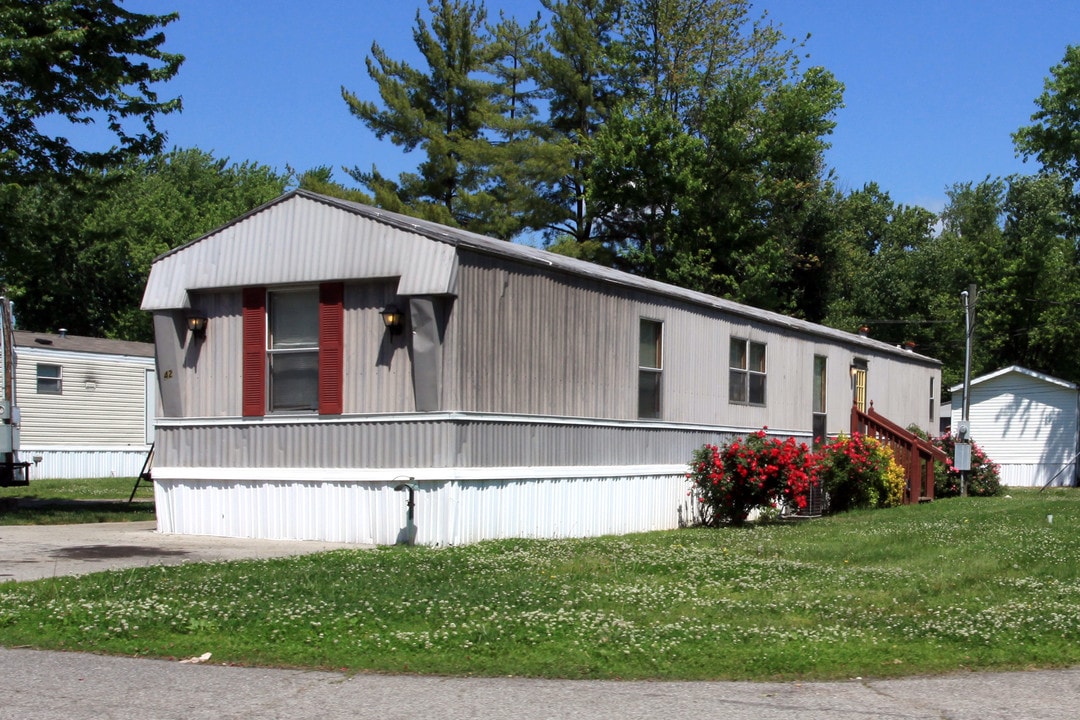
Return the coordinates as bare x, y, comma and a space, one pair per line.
459, 507
1037, 474
52, 462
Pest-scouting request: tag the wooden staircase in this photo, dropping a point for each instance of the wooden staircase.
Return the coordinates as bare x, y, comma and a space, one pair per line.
912, 453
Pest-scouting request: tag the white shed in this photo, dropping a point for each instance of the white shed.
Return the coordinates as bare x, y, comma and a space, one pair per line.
1026, 422
88, 404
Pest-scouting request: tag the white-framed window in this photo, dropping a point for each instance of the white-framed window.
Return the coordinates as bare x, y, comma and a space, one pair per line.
50, 379
821, 369
746, 372
933, 402
650, 367
292, 349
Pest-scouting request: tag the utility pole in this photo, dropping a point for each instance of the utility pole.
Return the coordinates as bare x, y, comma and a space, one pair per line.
961, 447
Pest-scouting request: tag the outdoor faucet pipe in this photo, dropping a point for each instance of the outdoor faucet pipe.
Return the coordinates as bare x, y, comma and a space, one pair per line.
410, 504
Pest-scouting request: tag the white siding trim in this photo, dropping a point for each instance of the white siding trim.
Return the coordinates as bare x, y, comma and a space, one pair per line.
313, 419
26, 353
347, 475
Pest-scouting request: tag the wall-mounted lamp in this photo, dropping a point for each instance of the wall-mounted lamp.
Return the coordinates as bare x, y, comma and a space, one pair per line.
392, 319
197, 325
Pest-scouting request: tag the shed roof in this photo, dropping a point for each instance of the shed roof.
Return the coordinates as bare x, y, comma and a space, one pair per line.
424, 269
1017, 370
79, 343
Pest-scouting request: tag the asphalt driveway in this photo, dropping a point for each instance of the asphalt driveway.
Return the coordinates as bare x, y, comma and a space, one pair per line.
31, 552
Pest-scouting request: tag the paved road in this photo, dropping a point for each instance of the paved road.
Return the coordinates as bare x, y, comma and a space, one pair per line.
36, 685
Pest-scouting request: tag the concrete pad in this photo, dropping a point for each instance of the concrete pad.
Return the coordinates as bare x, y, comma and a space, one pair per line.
32, 552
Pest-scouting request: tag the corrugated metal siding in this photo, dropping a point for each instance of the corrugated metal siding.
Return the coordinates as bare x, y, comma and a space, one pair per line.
70, 463
103, 402
378, 368
524, 340
424, 443
212, 371
450, 512
300, 241
521, 341
378, 365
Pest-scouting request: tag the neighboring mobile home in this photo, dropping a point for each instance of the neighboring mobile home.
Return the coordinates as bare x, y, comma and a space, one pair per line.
341, 351
87, 404
1026, 422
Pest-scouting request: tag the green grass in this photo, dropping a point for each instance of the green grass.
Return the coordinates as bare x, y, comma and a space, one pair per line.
62, 502
956, 584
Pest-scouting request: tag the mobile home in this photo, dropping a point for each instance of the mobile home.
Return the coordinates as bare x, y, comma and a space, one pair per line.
315, 354
88, 404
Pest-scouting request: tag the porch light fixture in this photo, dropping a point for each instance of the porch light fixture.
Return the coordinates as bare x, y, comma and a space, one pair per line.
392, 319
197, 325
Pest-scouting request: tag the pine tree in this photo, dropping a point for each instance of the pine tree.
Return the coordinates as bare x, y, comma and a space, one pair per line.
444, 110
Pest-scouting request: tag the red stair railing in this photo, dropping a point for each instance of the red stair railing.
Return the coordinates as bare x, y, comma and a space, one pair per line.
912, 453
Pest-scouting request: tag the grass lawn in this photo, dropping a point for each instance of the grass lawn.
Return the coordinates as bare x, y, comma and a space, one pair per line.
952, 585
63, 502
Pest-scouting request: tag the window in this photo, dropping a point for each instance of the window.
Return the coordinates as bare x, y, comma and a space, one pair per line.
746, 374
650, 365
933, 402
821, 366
50, 379
293, 350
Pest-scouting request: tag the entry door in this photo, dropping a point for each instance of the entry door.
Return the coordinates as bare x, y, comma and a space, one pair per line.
858, 384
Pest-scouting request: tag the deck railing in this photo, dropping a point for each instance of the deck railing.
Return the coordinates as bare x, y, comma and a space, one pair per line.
912, 453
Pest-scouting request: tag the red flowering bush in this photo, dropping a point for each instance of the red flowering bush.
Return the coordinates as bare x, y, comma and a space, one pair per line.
750, 474
983, 480
860, 472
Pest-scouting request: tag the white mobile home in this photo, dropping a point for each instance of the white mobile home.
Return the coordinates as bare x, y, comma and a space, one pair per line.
316, 354
87, 404
1026, 422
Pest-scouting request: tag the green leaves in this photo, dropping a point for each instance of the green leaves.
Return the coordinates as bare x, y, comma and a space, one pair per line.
85, 62
77, 253
1054, 138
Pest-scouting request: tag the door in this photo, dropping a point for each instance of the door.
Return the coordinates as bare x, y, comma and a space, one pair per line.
858, 383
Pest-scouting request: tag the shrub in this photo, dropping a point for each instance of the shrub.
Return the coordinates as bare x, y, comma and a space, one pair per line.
860, 472
749, 474
983, 480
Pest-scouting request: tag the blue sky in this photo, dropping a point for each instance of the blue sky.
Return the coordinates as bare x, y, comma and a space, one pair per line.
933, 89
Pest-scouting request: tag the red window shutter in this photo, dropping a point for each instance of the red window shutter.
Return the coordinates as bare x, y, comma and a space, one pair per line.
254, 369
331, 347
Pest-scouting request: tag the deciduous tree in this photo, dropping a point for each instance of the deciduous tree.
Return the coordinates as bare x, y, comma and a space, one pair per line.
85, 62
78, 252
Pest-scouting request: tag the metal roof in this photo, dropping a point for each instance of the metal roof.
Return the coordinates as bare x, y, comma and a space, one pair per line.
79, 343
500, 248
1017, 370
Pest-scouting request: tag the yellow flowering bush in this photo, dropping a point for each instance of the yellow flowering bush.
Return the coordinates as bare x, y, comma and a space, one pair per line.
860, 472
